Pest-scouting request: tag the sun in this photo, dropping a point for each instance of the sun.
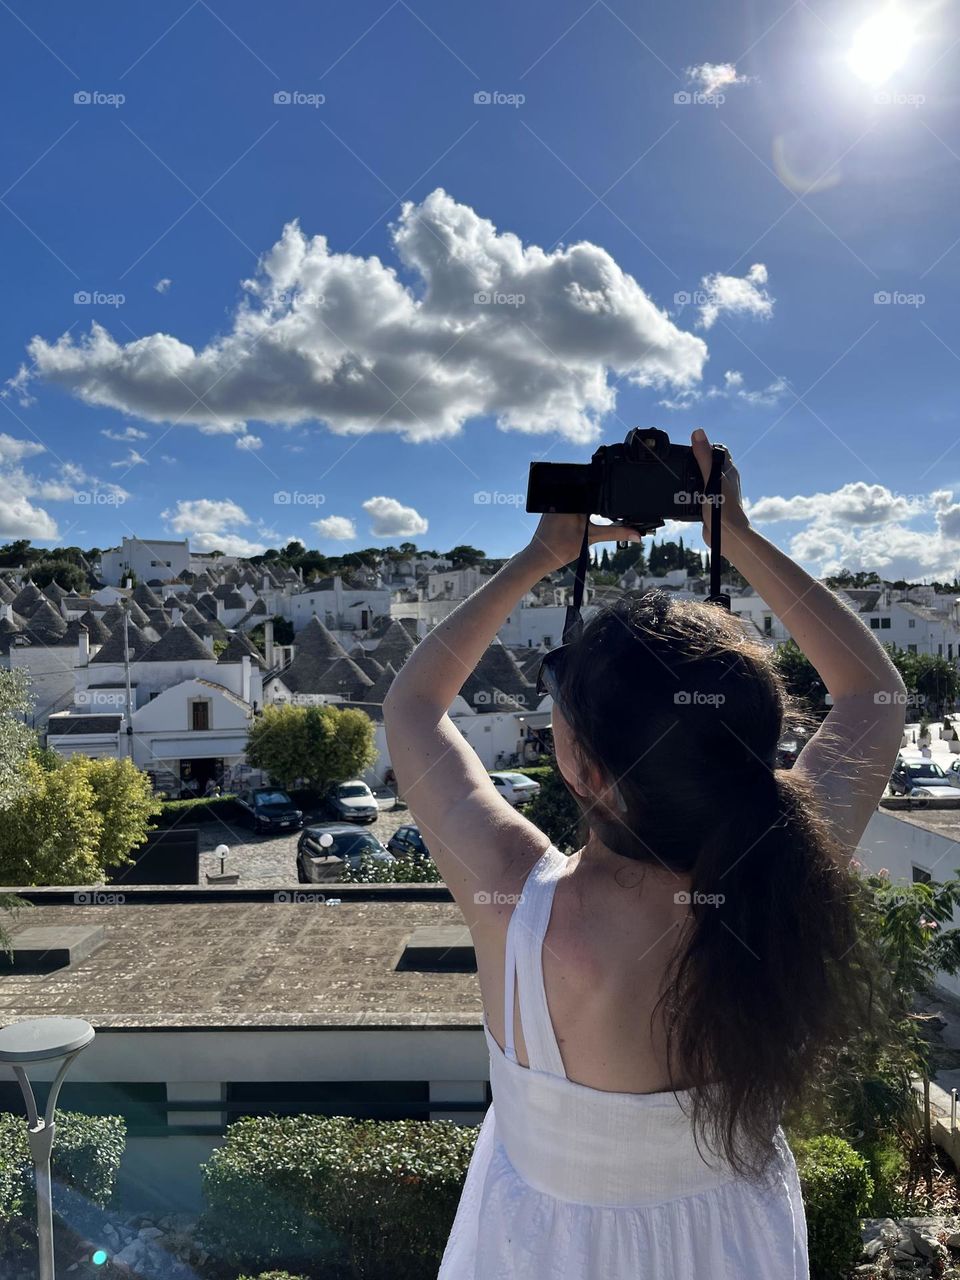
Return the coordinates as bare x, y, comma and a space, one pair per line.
881, 45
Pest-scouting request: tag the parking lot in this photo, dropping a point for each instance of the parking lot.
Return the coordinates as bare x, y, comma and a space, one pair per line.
267, 861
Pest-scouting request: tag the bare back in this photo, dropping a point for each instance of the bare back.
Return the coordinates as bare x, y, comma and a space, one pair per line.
612, 936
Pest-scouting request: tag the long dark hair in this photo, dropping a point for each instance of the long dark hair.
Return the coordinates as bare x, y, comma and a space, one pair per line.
679, 706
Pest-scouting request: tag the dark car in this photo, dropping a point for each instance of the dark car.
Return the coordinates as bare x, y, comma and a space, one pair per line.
352, 802
339, 840
407, 842
920, 778
269, 809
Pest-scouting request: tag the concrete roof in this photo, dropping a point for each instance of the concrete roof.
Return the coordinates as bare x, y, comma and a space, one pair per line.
190, 964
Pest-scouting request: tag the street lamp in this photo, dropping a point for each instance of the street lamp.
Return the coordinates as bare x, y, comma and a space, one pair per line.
22, 1044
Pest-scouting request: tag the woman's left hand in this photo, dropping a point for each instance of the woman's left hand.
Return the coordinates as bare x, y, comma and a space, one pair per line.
560, 537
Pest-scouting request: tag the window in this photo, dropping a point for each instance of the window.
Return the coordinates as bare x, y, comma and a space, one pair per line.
200, 714
884, 624
920, 876
949, 650
911, 648
767, 624
874, 624
911, 622
939, 650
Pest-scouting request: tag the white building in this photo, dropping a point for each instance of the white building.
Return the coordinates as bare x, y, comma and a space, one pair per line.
146, 560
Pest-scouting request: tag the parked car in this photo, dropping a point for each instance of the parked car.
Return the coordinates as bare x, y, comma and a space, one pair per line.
345, 842
269, 809
953, 772
516, 788
407, 842
352, 802
920, 778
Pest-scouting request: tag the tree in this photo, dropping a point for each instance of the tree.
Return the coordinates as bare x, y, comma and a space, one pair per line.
318, 745
800, 676
555, 811
604, 560
16, 739
62, 571
74, 821
464, 556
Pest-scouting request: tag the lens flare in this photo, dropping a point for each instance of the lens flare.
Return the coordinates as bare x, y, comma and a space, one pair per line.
99, 1257
881, 45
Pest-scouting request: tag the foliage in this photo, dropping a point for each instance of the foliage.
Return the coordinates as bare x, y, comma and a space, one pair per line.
400, 871
273, 1275
837, 1188
800, 676
840, 581
283, 633
465, 556
933, 683
86, 1157
554, 809
305, 1191
64, 572
74, 820
199, 809
16, 739
318, 744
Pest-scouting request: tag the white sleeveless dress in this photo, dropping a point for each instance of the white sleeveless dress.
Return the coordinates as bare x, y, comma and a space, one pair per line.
573, 1183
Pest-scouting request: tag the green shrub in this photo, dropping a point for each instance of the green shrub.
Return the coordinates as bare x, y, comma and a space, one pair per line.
308, 1192
198, 809
273, 1275
86, 1156
402, 870
837, 1189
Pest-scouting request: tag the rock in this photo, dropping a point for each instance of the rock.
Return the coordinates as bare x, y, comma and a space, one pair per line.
131, 1255
872, 1248
150, 1233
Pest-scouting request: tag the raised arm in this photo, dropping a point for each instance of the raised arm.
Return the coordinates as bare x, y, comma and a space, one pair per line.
479, 842
850, 757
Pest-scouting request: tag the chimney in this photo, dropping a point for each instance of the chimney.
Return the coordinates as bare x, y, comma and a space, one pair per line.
266, 582
268, 643
245, 677
176, 615
219, 604
83, 646
129, 584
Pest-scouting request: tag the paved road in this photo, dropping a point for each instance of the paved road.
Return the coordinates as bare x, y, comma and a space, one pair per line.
265, 862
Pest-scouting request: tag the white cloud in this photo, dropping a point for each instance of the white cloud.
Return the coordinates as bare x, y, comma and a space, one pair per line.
339, 528
249, 442
390, 519
738, 295
128, 433
163, 285
733, 388
712, 77
133, 459
342, 339
12, 450
207, 523
868, 526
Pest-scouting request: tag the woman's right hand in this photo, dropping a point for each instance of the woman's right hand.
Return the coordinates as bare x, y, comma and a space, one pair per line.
732, 515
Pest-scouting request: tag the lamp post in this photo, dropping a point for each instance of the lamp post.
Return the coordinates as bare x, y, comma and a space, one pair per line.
21, 1045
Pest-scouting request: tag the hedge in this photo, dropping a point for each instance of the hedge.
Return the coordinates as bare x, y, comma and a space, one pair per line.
837, 1189
86, 1156
375, 1197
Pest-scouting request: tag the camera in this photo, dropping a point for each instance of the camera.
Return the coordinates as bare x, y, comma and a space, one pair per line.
641, 482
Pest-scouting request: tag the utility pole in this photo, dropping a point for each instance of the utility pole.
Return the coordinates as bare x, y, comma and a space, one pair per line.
125, 606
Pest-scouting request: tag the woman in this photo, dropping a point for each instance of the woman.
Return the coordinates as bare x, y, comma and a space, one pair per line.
653, 1002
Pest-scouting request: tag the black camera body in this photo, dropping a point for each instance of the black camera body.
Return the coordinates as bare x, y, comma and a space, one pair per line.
641, 482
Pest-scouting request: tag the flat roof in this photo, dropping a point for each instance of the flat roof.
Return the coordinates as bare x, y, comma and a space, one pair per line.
945, 822
245, 965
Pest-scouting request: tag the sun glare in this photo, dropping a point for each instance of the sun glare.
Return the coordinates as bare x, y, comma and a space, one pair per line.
881, 44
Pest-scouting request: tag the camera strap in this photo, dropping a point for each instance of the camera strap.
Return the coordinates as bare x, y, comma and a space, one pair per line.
573, 622
713, 496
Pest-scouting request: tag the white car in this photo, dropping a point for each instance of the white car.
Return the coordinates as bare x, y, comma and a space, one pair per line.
516, 788
921, 778
953, 772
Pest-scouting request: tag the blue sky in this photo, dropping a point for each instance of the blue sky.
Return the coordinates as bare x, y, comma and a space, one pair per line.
712, 258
